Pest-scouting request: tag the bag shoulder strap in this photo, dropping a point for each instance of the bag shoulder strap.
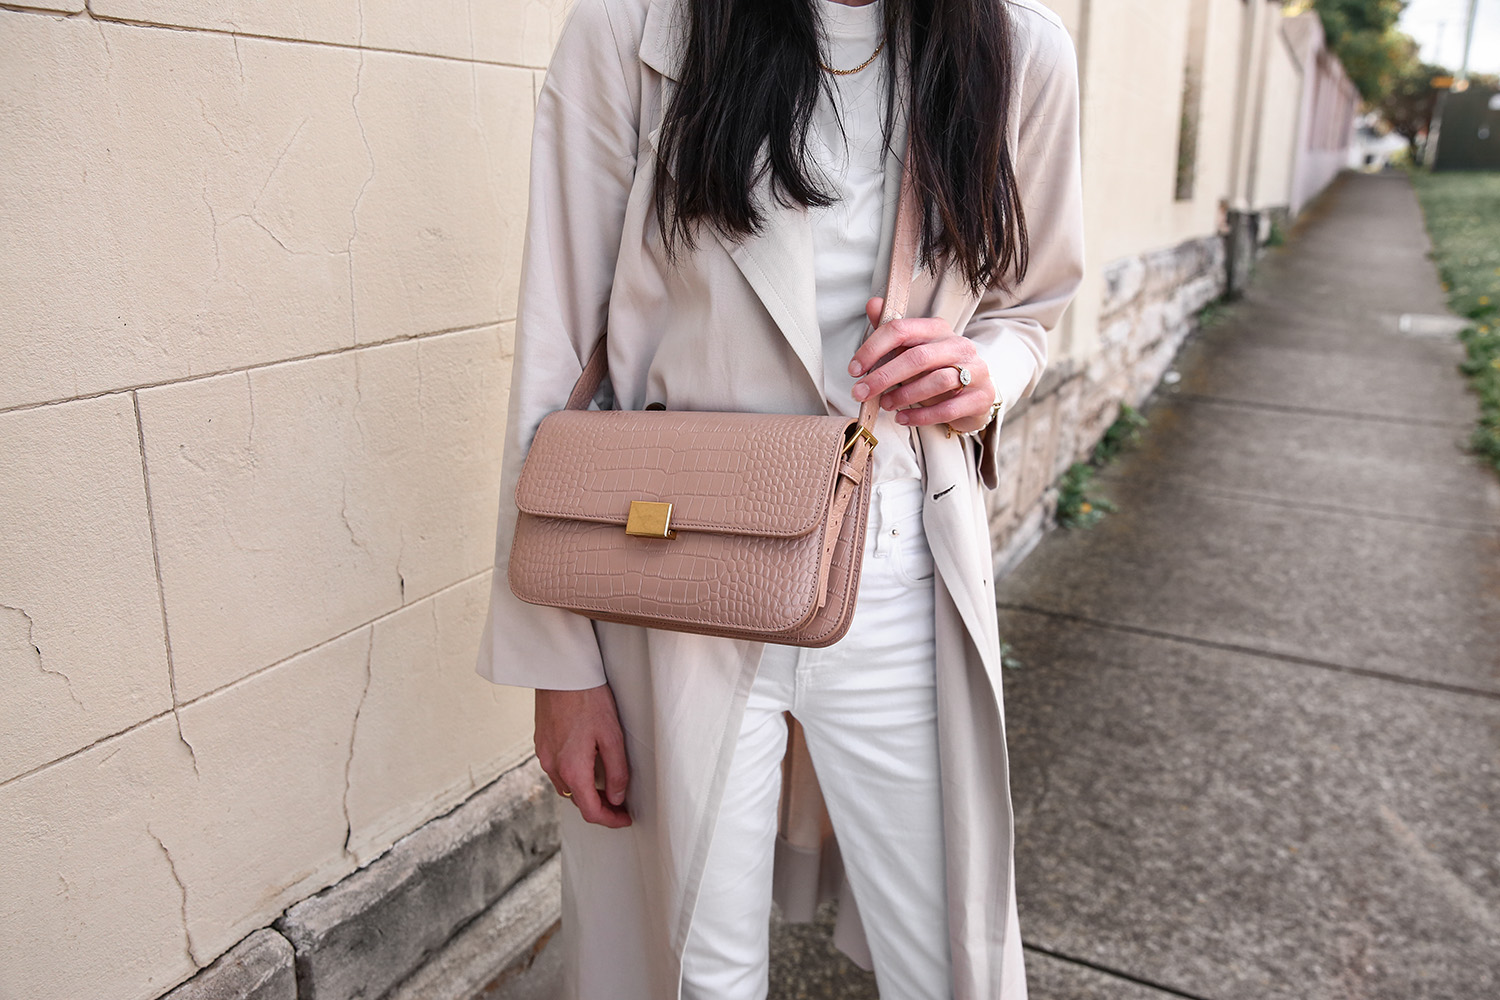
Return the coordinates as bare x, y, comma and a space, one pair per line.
897, 292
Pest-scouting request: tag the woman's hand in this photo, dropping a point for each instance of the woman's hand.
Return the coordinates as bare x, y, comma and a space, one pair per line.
578, 734
914, 373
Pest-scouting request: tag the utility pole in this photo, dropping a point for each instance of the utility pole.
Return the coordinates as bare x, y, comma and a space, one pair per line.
1460, 82
1463, 73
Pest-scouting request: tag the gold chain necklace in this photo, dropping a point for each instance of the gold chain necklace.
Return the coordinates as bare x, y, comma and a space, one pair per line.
850, 72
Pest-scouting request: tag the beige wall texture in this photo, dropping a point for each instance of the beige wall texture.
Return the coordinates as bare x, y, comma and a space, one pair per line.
258, 263
1133, 57
258, 260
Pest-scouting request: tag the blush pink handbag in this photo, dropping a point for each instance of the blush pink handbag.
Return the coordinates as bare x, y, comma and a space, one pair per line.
744, 525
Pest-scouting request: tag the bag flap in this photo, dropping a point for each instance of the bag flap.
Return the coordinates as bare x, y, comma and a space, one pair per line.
732, 473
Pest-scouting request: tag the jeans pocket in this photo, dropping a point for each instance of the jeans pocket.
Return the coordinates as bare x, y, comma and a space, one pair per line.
912, 556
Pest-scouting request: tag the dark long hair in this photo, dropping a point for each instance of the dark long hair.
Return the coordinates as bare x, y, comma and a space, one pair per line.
750, 82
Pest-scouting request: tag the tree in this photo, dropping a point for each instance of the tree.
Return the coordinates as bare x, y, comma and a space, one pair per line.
1409, 104
1363, 34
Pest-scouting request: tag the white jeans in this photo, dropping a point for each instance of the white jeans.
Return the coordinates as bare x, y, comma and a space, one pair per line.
869, 709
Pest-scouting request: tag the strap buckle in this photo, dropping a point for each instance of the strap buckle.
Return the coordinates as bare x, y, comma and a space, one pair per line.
855, 433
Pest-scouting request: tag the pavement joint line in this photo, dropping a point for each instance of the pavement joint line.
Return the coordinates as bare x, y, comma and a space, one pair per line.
1337, 351
1320, 411
1114, 973
1264, 654
1289, 503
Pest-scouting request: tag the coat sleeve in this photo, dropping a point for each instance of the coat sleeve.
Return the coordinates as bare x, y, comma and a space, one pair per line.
1010, 325
583, 159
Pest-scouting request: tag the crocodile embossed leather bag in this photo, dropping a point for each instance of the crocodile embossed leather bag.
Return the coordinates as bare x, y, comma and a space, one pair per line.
744, 525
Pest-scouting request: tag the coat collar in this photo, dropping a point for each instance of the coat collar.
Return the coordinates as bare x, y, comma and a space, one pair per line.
778, 261
664, 36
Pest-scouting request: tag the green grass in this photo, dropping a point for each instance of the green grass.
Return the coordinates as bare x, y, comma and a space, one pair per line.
1463, 218
1078, 505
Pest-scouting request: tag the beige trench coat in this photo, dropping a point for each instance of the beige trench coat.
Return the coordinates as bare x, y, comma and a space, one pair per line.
734, 327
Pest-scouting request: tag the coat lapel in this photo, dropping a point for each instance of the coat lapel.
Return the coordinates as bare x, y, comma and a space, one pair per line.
778, 261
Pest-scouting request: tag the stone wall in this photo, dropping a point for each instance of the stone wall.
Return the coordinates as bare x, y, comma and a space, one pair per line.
1149, 306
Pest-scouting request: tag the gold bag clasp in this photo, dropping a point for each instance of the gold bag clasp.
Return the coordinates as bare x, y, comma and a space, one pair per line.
650, 520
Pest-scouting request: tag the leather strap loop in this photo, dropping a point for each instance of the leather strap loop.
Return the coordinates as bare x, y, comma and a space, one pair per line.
592, 377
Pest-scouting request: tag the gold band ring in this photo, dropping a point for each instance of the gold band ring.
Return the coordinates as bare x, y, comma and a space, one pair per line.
566, 795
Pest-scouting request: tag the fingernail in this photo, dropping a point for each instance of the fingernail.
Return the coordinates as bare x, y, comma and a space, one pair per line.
861, 391
902, 418
856, 369
617, 798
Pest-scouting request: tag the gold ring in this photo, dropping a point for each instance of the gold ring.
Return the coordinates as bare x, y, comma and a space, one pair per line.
566, 795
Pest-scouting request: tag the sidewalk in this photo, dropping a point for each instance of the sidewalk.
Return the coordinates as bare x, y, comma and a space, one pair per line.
1256, 733
1256, 736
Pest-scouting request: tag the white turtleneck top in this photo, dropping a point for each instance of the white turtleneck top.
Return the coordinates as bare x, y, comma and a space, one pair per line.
846, 141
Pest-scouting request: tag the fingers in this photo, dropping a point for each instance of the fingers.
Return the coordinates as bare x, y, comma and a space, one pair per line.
616, 770
893, 336
919, 359
576, 733
925, 390
968, 410
578, 775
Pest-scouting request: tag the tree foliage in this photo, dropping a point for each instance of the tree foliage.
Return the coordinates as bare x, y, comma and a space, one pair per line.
1363, 34
1409, 104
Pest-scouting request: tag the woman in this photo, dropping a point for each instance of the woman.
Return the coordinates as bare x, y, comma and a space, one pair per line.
716, 181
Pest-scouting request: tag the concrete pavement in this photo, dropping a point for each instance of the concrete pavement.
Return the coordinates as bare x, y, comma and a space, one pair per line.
1256, 740
1256, 733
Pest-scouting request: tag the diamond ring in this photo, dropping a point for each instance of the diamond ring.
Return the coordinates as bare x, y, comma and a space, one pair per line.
964, 378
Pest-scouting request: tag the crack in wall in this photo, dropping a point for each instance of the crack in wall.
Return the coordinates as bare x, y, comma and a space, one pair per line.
88, 8
254, 215
187, 934
496, 692
40, 664
353, 733
400, 554
213, 218
359, 74
234, 36
203, 113
344, 516
161, 591
250, 431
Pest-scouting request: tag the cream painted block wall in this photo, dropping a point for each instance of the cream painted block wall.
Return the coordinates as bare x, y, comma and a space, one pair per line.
423, 691
1131, 73
311, 496
512, 32
1278, 127
1219, 118
89, 903
254, 364
82, 653
268, 201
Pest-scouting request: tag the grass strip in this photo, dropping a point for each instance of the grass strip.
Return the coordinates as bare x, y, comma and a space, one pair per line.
1463, 218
